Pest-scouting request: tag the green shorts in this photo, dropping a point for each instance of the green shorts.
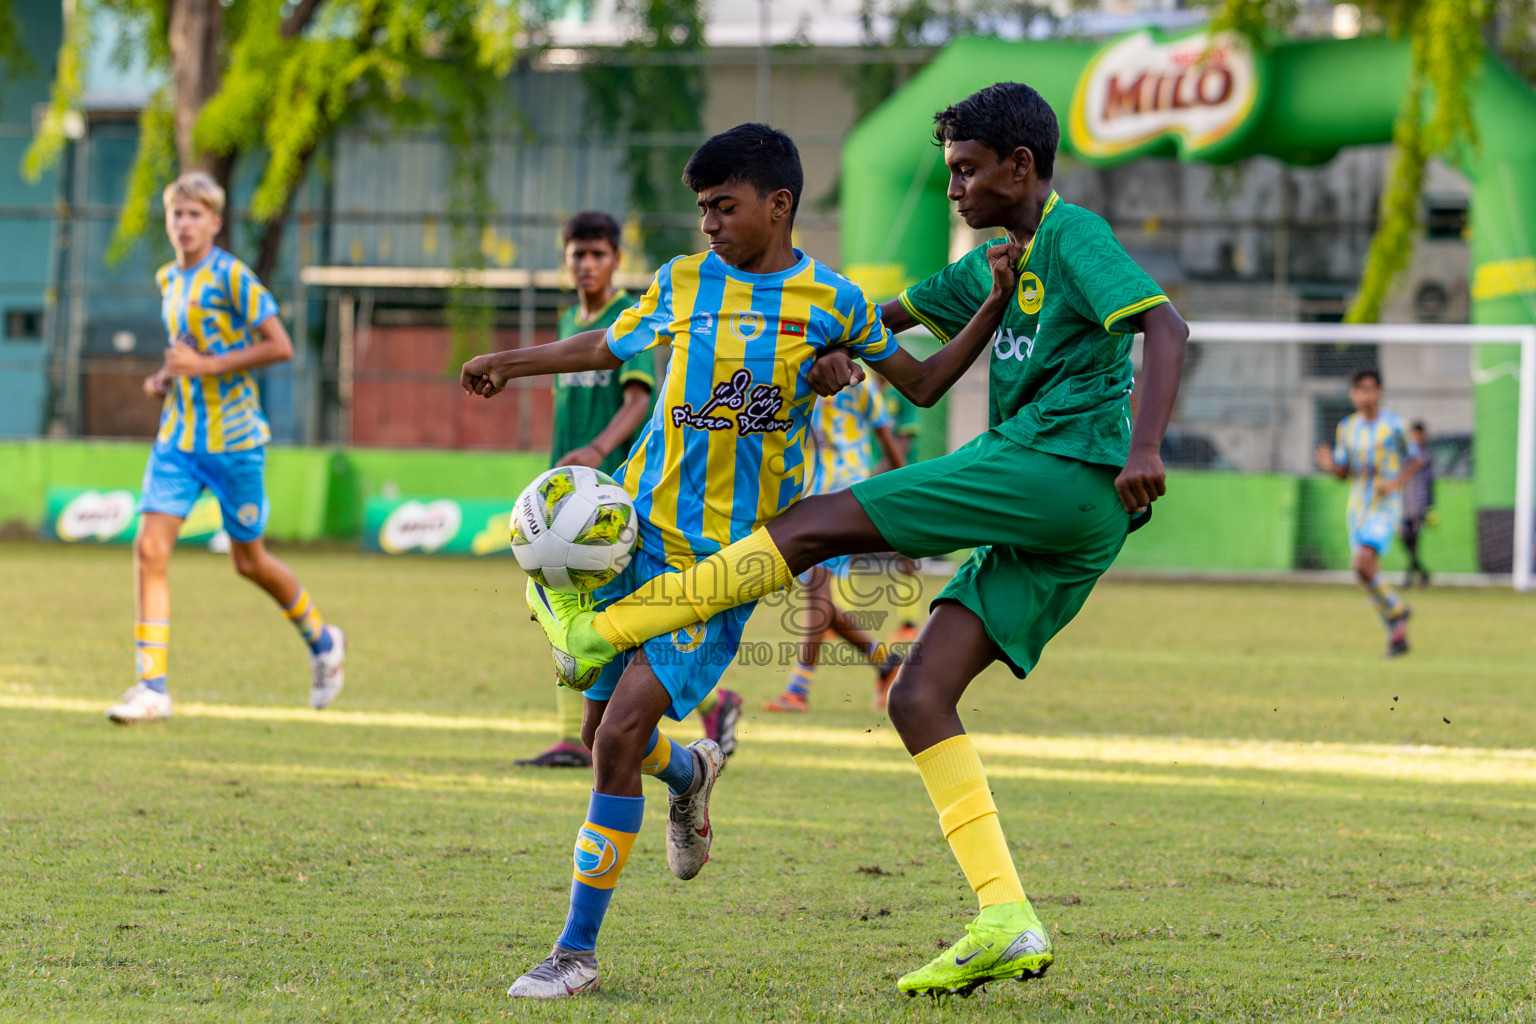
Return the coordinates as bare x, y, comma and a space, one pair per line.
1044, 529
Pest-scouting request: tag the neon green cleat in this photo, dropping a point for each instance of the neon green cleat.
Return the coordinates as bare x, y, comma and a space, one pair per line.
1005, 942
580, 654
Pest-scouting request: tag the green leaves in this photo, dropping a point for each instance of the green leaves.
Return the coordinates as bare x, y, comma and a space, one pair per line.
636, 96
293, 73
1435, 119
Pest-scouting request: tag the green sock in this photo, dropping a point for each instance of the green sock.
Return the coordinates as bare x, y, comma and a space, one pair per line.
568, 711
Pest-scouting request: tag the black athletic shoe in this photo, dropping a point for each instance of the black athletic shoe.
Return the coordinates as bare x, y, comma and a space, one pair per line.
1397, 635
720, 724
564, 754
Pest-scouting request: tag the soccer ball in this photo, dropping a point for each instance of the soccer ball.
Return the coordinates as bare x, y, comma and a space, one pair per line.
573, 529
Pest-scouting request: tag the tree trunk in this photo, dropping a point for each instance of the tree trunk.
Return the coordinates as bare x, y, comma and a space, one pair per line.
272, 233
196, 28
195, 34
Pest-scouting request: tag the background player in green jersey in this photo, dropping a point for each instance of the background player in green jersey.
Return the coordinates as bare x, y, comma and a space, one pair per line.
1046, 496
598, 415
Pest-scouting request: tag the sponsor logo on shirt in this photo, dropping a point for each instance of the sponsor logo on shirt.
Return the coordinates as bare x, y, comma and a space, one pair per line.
756, 405
586, 379
1007, 345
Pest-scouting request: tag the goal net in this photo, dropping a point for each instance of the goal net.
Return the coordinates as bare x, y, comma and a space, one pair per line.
1245, 497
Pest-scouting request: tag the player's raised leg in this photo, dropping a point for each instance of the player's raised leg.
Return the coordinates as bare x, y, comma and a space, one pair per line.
1006, 940
148, 700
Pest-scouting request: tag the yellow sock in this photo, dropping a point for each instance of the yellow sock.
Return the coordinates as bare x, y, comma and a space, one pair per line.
958, 787
745, 571
151, 640
909, 597
568, 712
708, 703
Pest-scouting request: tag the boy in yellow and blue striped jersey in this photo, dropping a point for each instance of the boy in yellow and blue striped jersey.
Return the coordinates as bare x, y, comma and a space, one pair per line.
598, 416
1372, 450
220, 323
851, 429
725, 451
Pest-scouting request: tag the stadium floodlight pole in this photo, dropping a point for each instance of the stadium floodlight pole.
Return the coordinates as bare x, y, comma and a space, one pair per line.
1428, 334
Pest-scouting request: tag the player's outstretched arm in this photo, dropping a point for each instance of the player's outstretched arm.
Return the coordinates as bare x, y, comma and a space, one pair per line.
924, 382
486, 375
1142, 481
274, 346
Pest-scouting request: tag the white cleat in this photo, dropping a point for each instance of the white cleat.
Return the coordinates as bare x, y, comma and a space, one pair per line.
688, 831
141, 704
565, 972
328, 671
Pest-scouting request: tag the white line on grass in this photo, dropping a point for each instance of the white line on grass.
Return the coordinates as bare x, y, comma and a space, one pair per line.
1361, 760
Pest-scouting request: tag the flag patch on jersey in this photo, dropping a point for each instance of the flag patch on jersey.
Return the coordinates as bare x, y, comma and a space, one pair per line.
793, 328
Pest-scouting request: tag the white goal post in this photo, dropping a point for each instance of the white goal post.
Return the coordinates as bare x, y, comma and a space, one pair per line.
1214, 332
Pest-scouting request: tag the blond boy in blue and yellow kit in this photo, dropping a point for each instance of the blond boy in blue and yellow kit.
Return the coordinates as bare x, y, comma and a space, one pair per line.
221, 323
724, 452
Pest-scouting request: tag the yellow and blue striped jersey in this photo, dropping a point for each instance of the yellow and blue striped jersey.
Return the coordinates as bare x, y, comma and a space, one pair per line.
1372, 450
726, 448
843, 426
215, 307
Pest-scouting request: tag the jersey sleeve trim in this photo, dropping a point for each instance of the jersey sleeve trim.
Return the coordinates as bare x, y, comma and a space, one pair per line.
643, 376
906, 303
1132, 310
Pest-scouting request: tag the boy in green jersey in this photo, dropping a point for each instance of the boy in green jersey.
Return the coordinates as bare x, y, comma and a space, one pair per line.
1046, 496
597, 416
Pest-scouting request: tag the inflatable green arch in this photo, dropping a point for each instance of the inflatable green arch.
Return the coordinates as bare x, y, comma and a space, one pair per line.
1216, 101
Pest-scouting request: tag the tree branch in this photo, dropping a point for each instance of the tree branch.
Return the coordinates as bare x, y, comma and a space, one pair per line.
300, 17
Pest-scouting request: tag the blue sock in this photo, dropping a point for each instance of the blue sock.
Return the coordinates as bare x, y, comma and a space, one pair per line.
669, 761
602, 848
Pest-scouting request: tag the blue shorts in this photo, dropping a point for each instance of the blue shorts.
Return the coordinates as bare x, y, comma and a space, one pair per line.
689, 662
174, 479
1374, 530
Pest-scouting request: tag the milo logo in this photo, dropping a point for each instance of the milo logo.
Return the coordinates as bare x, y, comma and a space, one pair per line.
420, 526
96, 515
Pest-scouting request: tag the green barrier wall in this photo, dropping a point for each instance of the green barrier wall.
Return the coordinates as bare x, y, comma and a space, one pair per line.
315, 492
1215, 521
1208, 521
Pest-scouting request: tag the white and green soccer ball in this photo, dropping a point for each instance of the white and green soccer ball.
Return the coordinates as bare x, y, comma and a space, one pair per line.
573, 529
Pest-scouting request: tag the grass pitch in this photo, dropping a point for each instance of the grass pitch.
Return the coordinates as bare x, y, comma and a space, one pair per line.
1225, 805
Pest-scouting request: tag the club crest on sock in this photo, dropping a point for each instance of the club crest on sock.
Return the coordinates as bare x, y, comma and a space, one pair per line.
595, 854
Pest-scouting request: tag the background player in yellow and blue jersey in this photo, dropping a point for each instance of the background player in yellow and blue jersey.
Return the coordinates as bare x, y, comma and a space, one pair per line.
1372, 450
220, 323
597, 418
848, 428
725, 452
